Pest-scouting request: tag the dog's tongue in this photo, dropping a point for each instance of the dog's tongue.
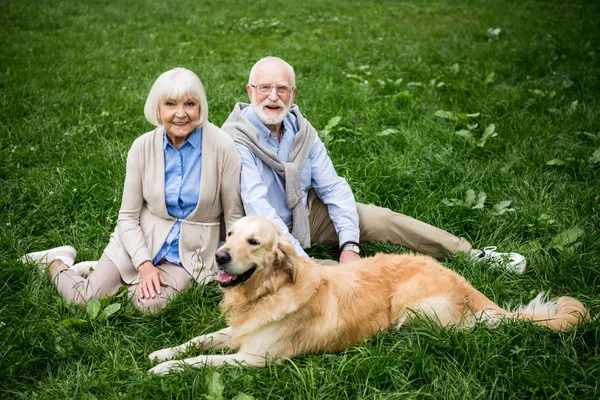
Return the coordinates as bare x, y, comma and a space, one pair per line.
224, 277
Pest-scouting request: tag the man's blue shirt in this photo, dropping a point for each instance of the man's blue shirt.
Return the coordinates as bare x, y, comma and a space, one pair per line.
263, 191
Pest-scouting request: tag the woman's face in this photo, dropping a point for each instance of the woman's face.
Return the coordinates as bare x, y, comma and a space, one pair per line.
179, 118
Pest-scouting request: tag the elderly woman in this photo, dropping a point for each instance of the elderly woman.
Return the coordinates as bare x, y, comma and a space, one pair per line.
180, 178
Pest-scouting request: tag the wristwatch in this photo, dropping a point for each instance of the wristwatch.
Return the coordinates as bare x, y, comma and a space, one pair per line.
351, 247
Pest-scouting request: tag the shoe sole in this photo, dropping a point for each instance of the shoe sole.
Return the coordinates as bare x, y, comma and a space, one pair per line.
38, 255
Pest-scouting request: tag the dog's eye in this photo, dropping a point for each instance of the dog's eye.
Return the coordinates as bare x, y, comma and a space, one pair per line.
253, 242
229, 233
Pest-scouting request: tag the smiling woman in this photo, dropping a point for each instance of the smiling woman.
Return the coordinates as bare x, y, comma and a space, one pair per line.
167, 234
179, 118
177, 101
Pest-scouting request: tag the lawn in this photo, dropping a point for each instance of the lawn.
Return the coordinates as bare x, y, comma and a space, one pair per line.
479, 117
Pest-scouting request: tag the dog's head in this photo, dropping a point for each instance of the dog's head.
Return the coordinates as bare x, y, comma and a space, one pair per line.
255, 253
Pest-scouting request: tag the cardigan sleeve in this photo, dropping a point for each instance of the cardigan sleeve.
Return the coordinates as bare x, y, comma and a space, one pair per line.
128, 224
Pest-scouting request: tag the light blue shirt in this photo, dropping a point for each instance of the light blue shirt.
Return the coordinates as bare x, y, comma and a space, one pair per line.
183, 168
263, 191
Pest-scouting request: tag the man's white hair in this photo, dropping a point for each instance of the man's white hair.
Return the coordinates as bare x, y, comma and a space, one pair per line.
175, 84
271, 59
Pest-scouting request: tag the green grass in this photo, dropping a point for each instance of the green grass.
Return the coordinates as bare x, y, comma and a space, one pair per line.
73, 80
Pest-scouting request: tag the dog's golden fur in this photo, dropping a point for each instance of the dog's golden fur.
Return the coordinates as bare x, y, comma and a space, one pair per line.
290, 305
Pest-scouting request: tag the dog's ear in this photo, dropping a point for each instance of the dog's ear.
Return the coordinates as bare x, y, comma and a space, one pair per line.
286, 258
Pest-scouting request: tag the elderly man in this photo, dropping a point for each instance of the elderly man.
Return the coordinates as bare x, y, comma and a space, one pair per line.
288, 177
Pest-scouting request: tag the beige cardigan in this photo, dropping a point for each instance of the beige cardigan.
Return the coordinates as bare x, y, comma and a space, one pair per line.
144, 222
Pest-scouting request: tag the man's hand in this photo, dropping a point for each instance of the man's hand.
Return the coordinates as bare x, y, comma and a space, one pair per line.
151, 279
348, 257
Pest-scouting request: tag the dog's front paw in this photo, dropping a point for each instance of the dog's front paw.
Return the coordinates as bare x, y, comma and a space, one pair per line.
166, 367
161, 355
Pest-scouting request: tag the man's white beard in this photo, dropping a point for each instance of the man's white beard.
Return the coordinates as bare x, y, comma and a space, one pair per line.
271, 119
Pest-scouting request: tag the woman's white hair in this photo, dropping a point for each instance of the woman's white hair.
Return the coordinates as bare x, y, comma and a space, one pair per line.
271, 59
175, 84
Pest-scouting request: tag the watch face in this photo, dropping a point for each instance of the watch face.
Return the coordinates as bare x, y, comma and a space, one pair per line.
352, 247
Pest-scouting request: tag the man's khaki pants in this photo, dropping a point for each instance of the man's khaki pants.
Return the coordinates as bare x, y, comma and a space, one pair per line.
378, 224
106, 280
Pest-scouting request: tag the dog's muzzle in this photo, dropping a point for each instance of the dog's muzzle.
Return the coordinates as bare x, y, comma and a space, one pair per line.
226, 279
222, 258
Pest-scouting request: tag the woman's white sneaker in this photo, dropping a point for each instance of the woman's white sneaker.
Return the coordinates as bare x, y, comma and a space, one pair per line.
44, 258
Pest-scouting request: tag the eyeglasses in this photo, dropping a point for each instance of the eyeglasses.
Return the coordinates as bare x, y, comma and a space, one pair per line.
266, 89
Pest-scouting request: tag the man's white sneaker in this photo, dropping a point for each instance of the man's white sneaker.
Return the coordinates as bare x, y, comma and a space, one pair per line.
44, 258
511, 261
84, 268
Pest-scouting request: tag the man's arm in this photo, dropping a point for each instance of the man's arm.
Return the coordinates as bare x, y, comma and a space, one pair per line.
335, 192
255, 198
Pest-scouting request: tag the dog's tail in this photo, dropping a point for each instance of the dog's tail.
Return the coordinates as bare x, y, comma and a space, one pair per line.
561, 314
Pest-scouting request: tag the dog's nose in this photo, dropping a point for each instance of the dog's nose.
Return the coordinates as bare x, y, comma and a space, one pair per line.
222, 257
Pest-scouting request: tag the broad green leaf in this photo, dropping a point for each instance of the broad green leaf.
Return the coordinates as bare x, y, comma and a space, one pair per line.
462, 117
446, 115
452, 202
333, 122
566, 238
354, 78
93, 309
573, 106
489, 79
72, 321
538, 92
502, 207
387, 132
403, 95
567, 83
480, 201
489, 132
110, 310
595, 158
531, 247
474, 115
215, 386
469, 197
243, 396
465, 134
493, 33
555, 161
455, 68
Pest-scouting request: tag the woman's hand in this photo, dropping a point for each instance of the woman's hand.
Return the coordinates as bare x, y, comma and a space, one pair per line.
151, 280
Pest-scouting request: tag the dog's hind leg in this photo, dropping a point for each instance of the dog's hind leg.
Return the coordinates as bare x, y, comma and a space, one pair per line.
437, 301
222, 339
238, 359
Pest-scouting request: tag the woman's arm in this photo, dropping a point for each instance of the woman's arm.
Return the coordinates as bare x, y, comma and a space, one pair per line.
128, 226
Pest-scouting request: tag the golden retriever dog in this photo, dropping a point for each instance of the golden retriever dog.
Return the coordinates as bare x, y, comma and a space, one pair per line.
281, 305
